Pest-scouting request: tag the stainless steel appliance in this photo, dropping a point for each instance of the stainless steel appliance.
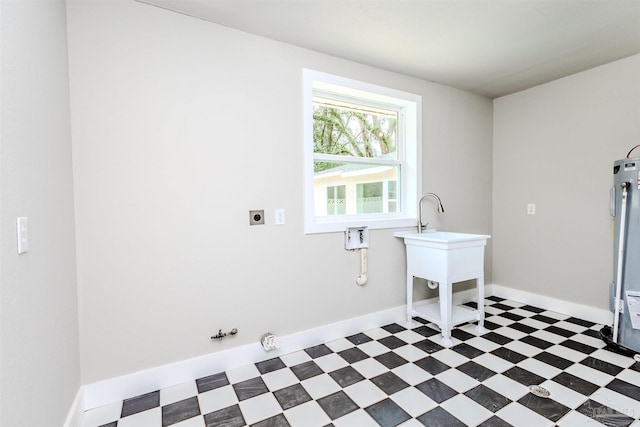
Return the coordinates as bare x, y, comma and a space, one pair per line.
625, 289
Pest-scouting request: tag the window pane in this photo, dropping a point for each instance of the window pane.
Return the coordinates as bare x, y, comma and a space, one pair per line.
352, 130
392, 197
369, 197
391, 190
355, 188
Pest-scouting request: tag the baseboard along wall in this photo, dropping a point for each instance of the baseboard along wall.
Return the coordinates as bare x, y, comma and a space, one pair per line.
114, 389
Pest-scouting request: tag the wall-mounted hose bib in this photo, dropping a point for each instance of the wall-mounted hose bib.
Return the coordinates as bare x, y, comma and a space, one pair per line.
269, 342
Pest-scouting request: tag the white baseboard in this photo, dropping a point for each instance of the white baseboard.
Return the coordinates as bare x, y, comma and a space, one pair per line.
119, 388
115, 389
585, 312
74, 417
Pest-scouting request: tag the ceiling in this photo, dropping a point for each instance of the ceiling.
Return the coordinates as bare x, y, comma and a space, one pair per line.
489, 47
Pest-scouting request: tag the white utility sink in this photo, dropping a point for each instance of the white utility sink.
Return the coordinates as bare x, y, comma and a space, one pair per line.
446, 258
438, 237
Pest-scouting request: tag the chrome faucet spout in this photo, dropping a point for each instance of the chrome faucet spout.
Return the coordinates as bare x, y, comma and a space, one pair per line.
439, 206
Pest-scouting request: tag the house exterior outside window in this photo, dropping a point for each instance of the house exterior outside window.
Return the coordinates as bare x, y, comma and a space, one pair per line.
336, 200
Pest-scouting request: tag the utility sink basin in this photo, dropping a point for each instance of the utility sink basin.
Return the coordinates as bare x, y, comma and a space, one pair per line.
442, 239
447, 258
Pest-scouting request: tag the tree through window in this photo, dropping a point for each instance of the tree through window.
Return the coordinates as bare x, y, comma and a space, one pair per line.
352, 130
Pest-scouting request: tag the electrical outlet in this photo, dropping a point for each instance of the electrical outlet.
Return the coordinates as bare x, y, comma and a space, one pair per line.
256, 217
22, 231
531, 209
279, 215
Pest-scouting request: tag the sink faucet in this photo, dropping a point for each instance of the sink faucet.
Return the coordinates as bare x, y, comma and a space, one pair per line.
440, 209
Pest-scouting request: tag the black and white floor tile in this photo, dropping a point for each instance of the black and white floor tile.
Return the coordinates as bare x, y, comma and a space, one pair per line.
393, 376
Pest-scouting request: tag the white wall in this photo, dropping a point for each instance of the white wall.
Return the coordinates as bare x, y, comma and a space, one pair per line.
180, 127
39, 349
554, 145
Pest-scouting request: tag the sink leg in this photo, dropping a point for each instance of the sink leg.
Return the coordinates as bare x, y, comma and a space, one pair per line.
446, 341
410, 322
446, 306
480, 284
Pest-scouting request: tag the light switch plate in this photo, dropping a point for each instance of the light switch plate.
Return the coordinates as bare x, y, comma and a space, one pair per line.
531, 209
22, 229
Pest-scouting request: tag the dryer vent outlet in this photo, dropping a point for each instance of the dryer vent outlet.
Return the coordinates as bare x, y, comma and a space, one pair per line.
256, 217
269, 342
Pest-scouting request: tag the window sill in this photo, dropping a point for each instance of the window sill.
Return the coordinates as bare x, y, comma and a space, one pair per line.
328, 226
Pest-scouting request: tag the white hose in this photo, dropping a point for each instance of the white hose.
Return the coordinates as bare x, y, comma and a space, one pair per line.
621, 241
362, 278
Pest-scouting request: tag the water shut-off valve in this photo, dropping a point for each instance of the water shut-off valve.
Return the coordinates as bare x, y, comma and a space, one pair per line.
357, 238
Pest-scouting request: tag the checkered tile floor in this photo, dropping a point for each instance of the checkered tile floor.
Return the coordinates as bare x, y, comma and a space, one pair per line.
392, 376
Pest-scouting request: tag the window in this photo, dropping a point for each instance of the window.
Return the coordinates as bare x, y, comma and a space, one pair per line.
361, 154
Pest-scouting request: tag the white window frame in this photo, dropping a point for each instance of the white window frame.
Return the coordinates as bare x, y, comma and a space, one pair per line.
409, 151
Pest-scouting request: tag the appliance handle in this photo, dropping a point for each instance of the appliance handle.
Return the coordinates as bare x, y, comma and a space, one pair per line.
621, 242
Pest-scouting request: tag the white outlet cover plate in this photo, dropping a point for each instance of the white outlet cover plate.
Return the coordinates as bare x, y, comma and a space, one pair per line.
531, 209
22, 230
